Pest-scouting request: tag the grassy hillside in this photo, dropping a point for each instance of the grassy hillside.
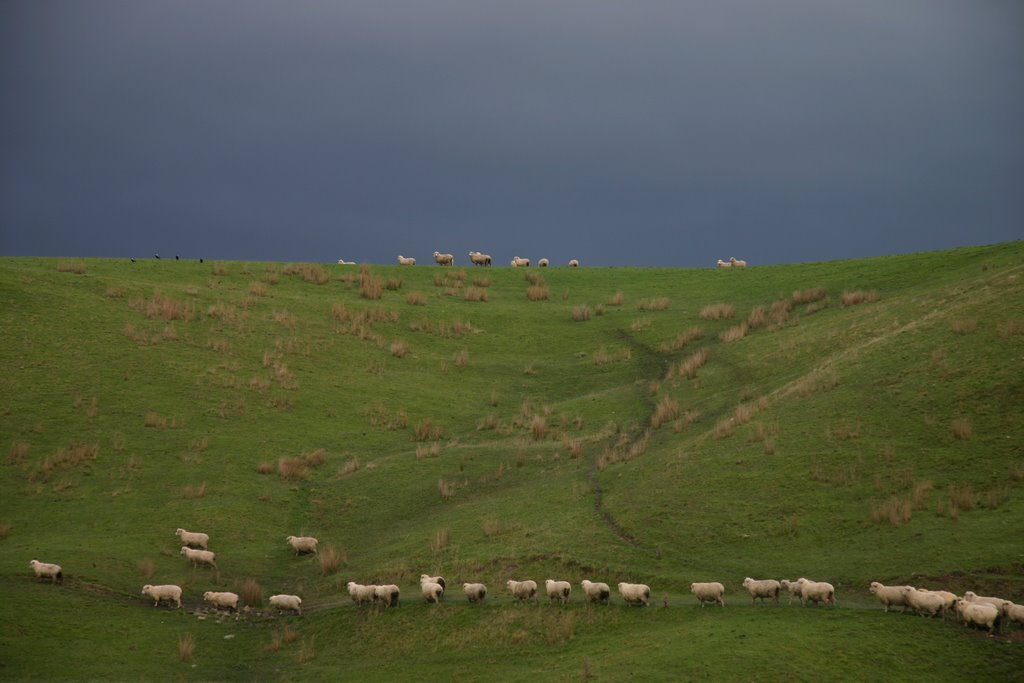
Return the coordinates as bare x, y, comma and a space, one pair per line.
846, 421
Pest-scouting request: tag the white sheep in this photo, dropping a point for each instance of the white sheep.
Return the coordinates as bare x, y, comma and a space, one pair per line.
45, 570
475, 592
925, 602
227, 600
737, 263
724, 264
998, 603
403, 261
1014, 612
543, 263
433, 579
520, 262
194, 539
444, 259
479, 259
596, 591
889, 596
978, 613
289, 602
794, 589
361, 594
343, 262
635, 593
303, 544
522, 590
199, 557
762, 588
709, 592
574, 263
948, 599
816, 591
387, 594
432, 591
165, 592
558, 590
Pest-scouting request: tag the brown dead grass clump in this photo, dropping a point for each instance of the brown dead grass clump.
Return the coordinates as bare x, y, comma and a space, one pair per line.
538, 293
18, 452
162, 307
807, 296
858, 297
186, 644
146, 568
416, 298
964, 326
369, 286
265, 468
688, 368
962, 429
330, 559
616, 299
682, 339
446, 489
734, 333
251, 593
659, 303
300, 466
717, 312
581, 313
896, 511
76, 267
757, 318
667, 410
539, 427
189, 491
426, 430
399, 348
475, 294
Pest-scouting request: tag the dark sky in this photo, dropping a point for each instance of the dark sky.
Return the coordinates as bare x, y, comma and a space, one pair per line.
661, 133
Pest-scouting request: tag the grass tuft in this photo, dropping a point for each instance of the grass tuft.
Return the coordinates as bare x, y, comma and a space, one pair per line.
330, 559
962, 429
186, 644
857, 297
659, 303
251, 593
581, 313
717, 312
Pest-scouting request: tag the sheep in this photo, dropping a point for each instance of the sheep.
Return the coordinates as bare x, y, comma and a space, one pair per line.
475, 592
762, 588
736, 263
165, 592
289, 602
361, 594
45, 570
343, 262
925, 602
596, 591
199, 557
890, 596
444, 259
794, 589
432, 591
543, 263
479, 259
387, 594
574, 263
303, 544
998, 603
816, 591
228, 600
520, 262
522, 590
635, 593
436, 579
1014, 612
558, 590
403, 261
708, 592
724, 264
978, 613
194, 539
948, 599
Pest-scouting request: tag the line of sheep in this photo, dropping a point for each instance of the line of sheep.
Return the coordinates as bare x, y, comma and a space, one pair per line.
733, 262
480, 259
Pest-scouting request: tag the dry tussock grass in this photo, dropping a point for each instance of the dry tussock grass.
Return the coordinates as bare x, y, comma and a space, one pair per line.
393, 284
446, 489
369, 286
689, 366
440, 540
146, 568
962, 429
659, 303
858, 297
682, 339
667, 410
265, 468
717, 312
114, 293
461, 358
186, 645
480, 281
964, 326
1009, 328
251, 593
844, 430
821, 380
63, 459
734, 333
330, 559
300, 466
17, 452
219, 269
581, 313
724, 428
779, 313
538, 293
616, 299
475, 294
162, 307
623, 450
399, 348
426, 430
189, 492
639, 325
539, 427
416, 298
76, 267
807, 296
284, 318
1017, 471
895, 510
379, 416
348, 468
757, 318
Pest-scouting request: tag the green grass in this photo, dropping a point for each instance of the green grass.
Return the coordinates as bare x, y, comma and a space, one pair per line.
800, 438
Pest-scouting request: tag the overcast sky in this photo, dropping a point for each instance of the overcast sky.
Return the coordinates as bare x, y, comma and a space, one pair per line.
620, 133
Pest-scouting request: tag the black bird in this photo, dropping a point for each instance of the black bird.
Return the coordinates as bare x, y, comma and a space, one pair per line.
156, 255
175, 257
133, 259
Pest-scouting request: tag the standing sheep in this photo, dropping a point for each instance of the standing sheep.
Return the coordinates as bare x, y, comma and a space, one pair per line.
978, 613
475, 592
167, 592
432, 591
45, 570
520, 262
948, 600
558, 590
361, 594
289, 602
226, 600
890, 596
388, 595
543, 263
1014, 612
763, 588
303, 544
816, 591
724, 264
635, 593
194, 539
522, 590
403, 261
479, 259
736, 263
596, 592
709, 592
436, 579
794, 590
574, 263
199, 557
925, 602
998, 603
444, 259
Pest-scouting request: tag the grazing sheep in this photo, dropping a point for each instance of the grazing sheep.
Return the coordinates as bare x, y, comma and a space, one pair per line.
1014, 612
432, 591
522, 590
635, 593
435, 579
166, 592
596, 592
709, 592
303, 544
978, 613
794, 590
403, 261
574, 263
558, 590
343, 262
762, 588
199, 557
736, 263
475, 592
289, 602
925, 602
361, 594
543, 263
194, 539
228, 600
998, 603
45, 570
444, 259
724, 264
816, 591
388, 595
890, 596
479, 259
520, 262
